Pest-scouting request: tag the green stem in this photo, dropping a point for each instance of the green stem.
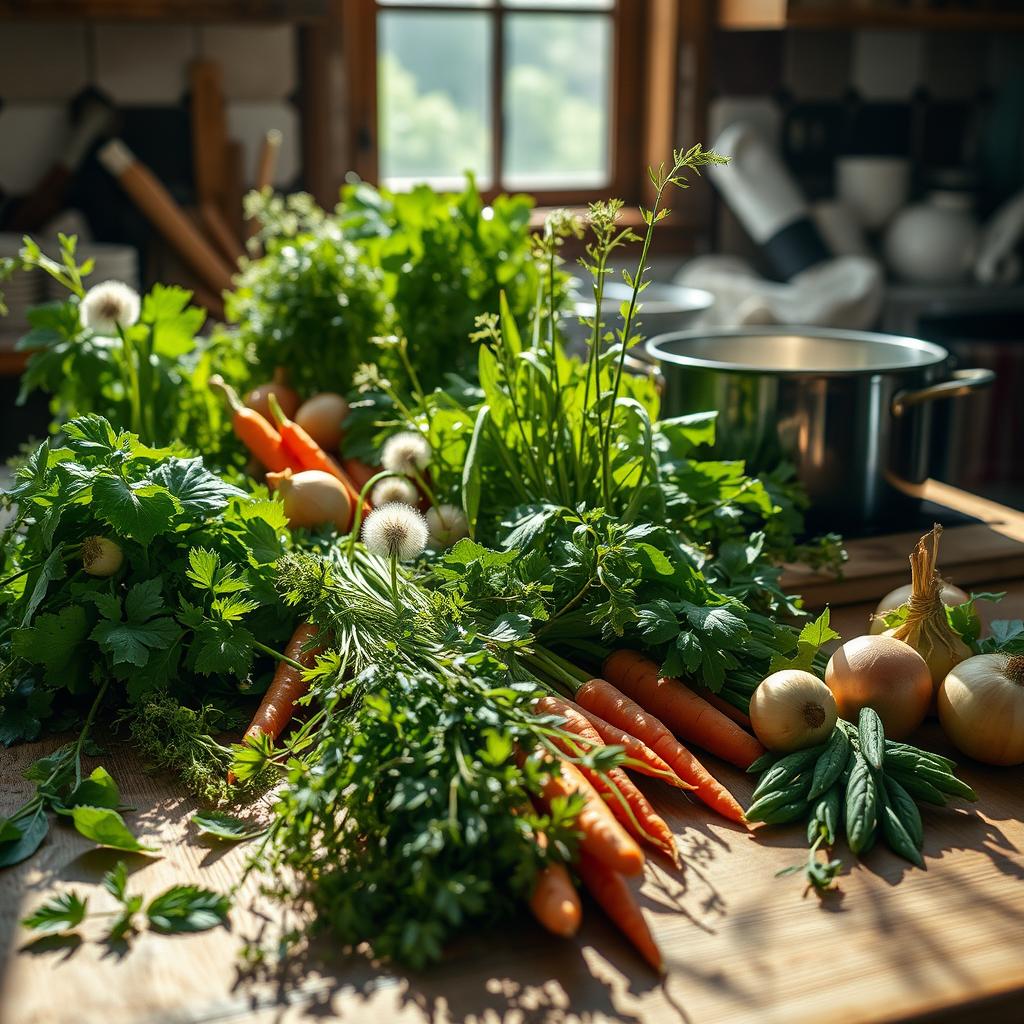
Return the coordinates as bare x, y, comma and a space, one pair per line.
128, 353
278, 655
394, 583
417, 388
85, 730
424, 486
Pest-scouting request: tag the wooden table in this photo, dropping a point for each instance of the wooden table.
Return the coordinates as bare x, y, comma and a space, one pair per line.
741, 945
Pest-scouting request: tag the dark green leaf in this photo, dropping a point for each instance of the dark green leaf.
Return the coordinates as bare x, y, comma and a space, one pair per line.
33, 827
60, 914
99, 790
115, 881
831, 763
200, 493
861, 806
139, 511
188, 908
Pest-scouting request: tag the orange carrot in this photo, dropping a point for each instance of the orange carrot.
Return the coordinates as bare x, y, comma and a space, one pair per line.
254, 431
605, 700
613, 894
727, 709
689, 716
603, 836
308, 453
628, 804
648, 762
555, 901
358, 472
287, 686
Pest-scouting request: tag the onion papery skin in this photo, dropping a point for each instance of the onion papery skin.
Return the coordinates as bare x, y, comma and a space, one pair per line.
321, 417
885, 674
792, 710
951, 597
981, 708
313, 498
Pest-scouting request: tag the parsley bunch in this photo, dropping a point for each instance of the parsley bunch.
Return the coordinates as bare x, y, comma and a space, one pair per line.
181, 614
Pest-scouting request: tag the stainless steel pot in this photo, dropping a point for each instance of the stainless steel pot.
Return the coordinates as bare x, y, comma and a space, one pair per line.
851, 410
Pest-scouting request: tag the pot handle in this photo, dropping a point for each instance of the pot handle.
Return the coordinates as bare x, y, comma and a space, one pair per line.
963, 382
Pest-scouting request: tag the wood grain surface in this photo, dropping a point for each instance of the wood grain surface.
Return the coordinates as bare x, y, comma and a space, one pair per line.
895, 943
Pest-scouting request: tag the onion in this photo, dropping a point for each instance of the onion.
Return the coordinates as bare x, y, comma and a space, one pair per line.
926, 628
951, 596
981, 708
447, 524
313, 498
792, 710
883, 673
287, 398
101, 556
321, 417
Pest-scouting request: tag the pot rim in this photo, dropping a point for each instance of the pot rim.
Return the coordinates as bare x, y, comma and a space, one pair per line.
655, 349
683, 300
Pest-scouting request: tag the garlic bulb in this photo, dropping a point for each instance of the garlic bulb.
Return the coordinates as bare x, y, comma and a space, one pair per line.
981, 708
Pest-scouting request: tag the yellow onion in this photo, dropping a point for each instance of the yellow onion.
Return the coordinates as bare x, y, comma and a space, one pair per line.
313, 498
101, 556
926, 628
792, 710
321, 417
981, 708
883, 673
951, 596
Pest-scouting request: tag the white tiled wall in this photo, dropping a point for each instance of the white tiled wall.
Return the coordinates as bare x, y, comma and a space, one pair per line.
43, 66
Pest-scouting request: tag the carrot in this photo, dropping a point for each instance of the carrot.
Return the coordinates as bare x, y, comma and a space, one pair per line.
727, 709
308, 453
358, 471
605, 700
555, 901
287, 686
603, 836
613, 894
628, 804
688, 715
647, 761
262, 440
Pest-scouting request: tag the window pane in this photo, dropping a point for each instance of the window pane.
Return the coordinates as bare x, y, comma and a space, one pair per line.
557, 100
433, 85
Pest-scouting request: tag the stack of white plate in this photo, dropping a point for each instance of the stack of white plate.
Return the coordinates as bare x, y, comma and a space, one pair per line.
20, 292
112, 263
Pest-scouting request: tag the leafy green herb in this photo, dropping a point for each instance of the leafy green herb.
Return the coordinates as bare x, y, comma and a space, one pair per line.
224, 826
188, 908
106, 827
60, 914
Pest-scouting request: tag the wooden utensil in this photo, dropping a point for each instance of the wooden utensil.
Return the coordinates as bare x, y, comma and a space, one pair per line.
159, 206
209, 132
266, 167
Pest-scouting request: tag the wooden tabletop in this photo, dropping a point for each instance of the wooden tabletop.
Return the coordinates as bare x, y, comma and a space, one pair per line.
895, 943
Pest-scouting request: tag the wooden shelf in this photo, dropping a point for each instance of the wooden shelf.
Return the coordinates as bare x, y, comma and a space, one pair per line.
782, 14
165, 10
12, 363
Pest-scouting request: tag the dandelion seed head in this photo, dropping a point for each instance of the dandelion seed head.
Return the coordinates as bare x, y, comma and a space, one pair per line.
395, 530
405, 452
446, 525
395, 489
107, 306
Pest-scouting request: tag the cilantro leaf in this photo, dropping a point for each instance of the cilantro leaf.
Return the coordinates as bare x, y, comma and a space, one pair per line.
188, 908
60, 914
130, 643
140, 511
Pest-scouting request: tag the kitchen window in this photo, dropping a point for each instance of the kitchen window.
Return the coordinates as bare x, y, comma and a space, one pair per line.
528, 95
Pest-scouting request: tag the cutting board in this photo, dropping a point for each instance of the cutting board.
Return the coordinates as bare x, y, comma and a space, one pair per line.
740, 944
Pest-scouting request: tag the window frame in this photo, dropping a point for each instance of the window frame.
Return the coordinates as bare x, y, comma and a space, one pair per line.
626, 128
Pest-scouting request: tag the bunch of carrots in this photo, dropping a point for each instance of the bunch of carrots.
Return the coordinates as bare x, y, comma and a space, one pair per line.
648, 715
283, 444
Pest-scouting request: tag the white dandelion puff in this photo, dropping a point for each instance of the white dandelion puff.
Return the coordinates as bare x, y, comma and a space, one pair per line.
107, 306
446, 525
395, 489
395, 530
405, 453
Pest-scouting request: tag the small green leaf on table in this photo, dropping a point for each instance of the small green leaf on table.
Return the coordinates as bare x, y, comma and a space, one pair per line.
188, 908
62, 913
106, 827
224, 826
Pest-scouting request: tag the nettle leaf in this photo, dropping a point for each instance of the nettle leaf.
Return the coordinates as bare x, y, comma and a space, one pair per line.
510, 629
105, 827
60, 914
139, 511
657, 622
225, 826
188, 908
719, 623
93, 435
222, 647
199, 492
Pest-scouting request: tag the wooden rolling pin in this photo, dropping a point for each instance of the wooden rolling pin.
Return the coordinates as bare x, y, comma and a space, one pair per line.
150, 196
